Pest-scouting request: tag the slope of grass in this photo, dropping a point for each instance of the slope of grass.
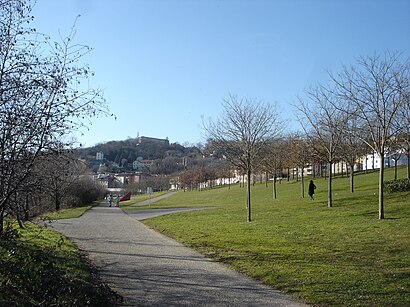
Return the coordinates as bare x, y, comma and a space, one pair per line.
40, 267
327, 256
138, 198
67, 213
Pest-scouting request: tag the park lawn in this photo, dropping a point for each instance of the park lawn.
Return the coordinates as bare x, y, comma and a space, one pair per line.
67, 213
128, 204
326, 256
41, 267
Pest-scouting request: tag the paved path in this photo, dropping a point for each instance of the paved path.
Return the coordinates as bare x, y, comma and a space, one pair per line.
149, 269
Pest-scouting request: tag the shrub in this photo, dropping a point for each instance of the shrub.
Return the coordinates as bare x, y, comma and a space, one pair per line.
398, 185
85, 191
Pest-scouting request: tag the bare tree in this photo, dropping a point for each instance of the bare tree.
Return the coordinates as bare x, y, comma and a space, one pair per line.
274, 160
241, 134
59, 171
351, 145
85, 191
185, 179
394, 152
405, 143
376, 90
301, 150
404, 135
321, 121
43, 96
224, 170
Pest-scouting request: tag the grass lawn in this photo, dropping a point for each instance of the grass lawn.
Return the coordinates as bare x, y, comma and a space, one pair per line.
40, 267
326, 256
128, 204
68, 213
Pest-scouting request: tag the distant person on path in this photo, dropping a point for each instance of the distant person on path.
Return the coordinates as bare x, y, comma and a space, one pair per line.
312, 188
117, 200
110, 199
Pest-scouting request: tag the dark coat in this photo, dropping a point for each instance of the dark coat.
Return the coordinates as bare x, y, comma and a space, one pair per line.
312, 188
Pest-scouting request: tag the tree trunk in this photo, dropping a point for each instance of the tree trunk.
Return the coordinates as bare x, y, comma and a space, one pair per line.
329, 192
248, 194
381, 188
395, 169
302, 185
57, 201
408, 165
27, 209
266, 179
274, 186
352, 179
1, 220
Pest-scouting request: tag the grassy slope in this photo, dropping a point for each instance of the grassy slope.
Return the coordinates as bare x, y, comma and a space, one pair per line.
128, 204
327, 256
68, 213
41, 267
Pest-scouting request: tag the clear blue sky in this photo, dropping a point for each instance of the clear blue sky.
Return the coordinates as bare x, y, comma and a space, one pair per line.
164, 64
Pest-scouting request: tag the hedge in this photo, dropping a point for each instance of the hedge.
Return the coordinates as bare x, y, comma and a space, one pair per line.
398, 185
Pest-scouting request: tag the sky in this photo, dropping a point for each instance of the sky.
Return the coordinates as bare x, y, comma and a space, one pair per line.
166, 64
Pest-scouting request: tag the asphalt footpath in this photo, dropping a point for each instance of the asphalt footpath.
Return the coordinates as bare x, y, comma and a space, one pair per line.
150, 269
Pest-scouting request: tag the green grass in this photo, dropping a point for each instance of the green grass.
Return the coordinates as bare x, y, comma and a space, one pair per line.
68, 213
326, 256
128, 204
41, 267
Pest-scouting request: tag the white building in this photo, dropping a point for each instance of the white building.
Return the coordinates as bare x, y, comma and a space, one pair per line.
99, 156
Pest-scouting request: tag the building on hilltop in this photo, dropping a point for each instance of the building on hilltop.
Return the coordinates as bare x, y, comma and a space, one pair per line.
145, 139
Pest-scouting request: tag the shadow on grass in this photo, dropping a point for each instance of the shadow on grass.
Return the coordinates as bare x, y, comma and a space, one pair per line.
32, 276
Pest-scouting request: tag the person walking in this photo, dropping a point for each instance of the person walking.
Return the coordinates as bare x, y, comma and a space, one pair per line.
117, 200
312, 188
110, 199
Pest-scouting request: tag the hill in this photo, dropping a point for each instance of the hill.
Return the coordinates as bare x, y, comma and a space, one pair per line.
121, 155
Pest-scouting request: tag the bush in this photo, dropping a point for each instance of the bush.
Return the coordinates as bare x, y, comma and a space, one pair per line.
398, 185
85, 191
